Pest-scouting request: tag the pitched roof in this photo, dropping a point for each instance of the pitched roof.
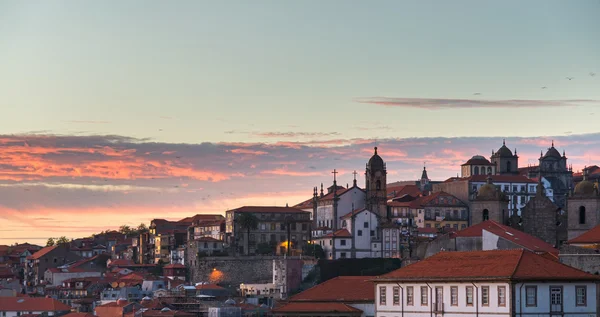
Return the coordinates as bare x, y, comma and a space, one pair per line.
342, 233
42, 252
268, 209
398, 191
339, 289
339, 192
300, 307
478, 160
208, 239
78, 315
305, 204
201, 218
174, 266
515, 265
591, 236
41, 304
515, 236
355, 212
209, 287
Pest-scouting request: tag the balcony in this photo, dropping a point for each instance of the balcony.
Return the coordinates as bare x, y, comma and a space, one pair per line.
438, 308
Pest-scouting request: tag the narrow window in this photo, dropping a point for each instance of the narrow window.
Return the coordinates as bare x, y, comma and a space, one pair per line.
485, 296
360, 233
343, 242
382, 295
501, 296
396, 295
581, 295
454, 296
486, 215
476, 170
424, 296
469, 296
378, 185
409, 296
531, 295
582, 215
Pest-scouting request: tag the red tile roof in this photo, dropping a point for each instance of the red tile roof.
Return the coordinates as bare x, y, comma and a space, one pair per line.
591, 236
399, 191
201, 218
41, 304
268, 209
340, 289
299, 307
305, 204
78, 315
514, 265
174, 266
42, 252
342, 233
515, 236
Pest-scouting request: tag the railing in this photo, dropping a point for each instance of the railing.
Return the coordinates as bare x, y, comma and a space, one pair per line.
438, 307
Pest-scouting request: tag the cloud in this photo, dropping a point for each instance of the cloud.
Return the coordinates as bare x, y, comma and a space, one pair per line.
87, 121
441, 104
286, 135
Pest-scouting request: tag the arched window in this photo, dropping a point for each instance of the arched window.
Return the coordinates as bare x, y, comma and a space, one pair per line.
508, 169
476, 170
489, 170
378, 185
344, 224
486, 215
582, 215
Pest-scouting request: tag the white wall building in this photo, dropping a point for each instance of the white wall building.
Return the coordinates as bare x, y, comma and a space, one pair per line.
349, 199
519, 189
485, 283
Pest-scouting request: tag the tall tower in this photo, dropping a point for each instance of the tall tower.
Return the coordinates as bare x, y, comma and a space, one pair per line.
375, 186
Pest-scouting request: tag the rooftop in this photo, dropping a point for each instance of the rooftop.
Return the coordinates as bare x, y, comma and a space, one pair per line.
292, 307
42, 252
591, 236
514, 265
38, 304
268, 209
339, 289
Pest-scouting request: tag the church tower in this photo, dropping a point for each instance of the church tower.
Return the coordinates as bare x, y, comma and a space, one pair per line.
583, 207
490, 204
375, 186
506, 162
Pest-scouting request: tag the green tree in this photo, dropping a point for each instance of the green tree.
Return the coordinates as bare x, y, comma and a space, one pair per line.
265, 248
141, 228
313, 250
62, 240
248, 221
125, 229
50, 242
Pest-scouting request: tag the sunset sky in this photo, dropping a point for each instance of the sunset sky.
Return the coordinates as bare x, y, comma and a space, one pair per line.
120, 112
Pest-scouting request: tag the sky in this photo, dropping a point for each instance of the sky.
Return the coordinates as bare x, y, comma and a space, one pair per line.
120, 112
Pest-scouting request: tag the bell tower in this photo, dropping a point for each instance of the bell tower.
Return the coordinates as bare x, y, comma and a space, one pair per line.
375, 185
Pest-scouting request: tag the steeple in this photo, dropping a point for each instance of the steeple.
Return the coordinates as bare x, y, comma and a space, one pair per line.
354, 181
503, 141
552, 143
424, 174
322, 194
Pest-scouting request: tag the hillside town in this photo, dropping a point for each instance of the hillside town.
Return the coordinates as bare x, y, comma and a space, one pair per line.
499, 239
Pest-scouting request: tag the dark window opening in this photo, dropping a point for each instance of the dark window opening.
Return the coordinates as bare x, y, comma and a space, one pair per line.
582, 215
486, 215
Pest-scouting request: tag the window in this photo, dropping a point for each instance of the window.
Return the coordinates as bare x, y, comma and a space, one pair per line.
476, 170
501, 296
382, 295
360, 233
343, 255
424, 296
463, 226
469, 296
508, 169
454, 296
366, 225
331, 242
378, 185
531, 296
396, 295
343, 242
582, 215
263, 226
485, 296
304, 227
293, 227
427, 225
409, 296
282, 226
581, 298
372, 233
486, 215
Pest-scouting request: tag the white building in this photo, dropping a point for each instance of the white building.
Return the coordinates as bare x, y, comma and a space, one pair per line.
349, 199
485, 283
360, 228
518, 188
17, 306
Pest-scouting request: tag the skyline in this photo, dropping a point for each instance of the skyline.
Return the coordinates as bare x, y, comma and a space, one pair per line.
108, 106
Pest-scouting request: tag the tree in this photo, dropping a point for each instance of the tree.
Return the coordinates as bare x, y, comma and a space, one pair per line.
265, 248
125, 229
313, 250
249, 222
50, 242
62, 240
141, 228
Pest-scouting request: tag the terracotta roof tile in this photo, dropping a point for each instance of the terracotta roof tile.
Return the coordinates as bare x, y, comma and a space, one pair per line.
293, 307
339, 192
174, 266
42, 252
41, 304
517, 237
339, 289
342, 233
268, 209
305, 204
591, 236
398, 191
515, 265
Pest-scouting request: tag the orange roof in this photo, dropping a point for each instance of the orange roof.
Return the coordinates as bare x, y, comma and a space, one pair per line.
342, 233
515, 236
399, 191
42, 252
305, 204
293, 307
78, 315
41, 304
268, 209
202, 218
174, 266
339, 289
514, 265
591, 236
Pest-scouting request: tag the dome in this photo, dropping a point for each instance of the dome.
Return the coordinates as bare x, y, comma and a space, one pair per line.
146, 298
504, 152
487, 191
230, 302
585, 188
553, 152
376, 162
478, 160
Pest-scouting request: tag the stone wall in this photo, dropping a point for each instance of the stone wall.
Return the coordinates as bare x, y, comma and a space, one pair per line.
540, 217
580, 258
232, 271
460, 189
